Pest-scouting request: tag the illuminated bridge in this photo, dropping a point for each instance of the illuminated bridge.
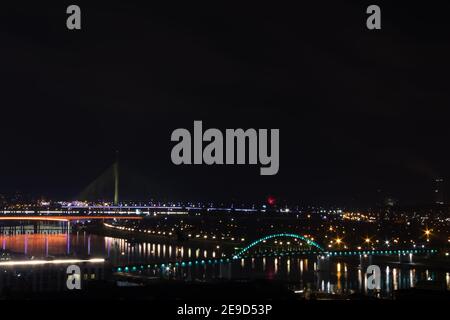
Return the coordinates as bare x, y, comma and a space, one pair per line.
66, 217
314, 250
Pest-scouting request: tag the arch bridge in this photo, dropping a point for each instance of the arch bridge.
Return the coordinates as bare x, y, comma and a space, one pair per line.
279, 235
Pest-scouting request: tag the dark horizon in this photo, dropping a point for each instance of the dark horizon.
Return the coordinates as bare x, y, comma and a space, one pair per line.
362, 115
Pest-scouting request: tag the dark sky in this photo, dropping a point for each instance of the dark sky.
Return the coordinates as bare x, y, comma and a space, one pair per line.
362, 114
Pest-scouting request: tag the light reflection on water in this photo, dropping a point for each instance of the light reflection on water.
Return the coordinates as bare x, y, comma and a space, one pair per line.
343, 276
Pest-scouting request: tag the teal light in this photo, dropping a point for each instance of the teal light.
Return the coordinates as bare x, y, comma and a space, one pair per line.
119, 269
310, 242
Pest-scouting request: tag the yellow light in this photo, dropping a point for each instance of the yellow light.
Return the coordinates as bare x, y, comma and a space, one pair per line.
367, 240
338, 241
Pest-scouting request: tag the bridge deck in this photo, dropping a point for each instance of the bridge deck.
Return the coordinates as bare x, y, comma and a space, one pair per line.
69, 218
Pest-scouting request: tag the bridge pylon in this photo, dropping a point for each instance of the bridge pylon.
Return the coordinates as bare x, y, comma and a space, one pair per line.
116, 180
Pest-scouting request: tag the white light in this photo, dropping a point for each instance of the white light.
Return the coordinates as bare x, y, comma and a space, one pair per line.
41, 262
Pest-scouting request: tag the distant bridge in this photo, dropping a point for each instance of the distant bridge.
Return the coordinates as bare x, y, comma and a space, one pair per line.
66, 218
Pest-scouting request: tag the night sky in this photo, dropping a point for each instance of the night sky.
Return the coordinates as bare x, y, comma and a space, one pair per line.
362, 114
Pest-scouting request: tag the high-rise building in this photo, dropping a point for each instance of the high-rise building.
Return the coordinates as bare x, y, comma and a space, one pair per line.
438, 191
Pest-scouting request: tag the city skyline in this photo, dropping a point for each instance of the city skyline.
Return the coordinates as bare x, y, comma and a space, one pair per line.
135, 188
210, 160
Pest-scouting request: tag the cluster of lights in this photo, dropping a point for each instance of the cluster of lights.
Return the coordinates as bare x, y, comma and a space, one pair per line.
356, 216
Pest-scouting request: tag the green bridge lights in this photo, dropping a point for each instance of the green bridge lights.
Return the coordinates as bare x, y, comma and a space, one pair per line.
165, 266
278, 235
381, 252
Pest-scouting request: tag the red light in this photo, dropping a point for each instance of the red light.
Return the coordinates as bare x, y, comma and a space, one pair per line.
271, 200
